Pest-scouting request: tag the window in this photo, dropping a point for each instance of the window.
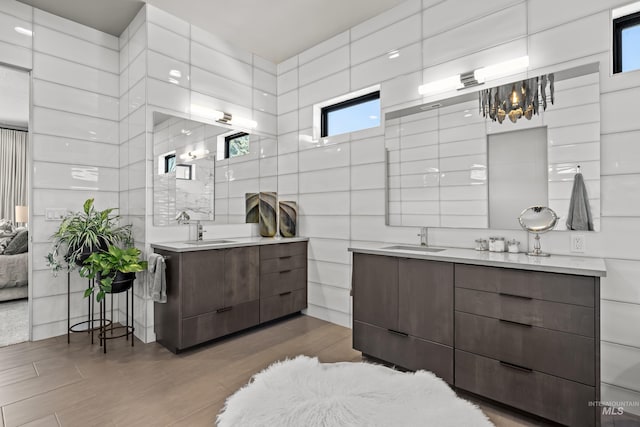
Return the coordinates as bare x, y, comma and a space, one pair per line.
236, 145
626, 43
169, 163
351, 115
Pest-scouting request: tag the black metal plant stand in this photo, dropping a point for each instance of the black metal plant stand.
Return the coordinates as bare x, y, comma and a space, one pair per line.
91, 321
109, 328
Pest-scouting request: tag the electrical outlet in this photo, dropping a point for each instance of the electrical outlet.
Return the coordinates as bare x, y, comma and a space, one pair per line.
578, 243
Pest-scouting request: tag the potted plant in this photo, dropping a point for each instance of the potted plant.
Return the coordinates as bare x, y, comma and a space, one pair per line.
81, 233
114, 270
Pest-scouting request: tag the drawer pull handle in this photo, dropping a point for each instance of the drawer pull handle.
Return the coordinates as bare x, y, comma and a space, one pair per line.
513, 295
285, 257
511, 322
285, 271
285, 293
402, 334
516, 367
223, 309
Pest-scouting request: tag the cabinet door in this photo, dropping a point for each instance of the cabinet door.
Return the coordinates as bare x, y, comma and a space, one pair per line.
202, 282
375, 290
241, 279
425, 299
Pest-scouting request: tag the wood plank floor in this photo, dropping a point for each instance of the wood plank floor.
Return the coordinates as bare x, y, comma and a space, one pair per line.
52, 383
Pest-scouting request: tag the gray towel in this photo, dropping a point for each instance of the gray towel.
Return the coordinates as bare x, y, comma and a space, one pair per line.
579, 217
157, 280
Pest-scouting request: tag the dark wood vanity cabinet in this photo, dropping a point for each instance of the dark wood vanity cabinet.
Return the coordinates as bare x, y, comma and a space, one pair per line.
212, 293
403, 312
527, 339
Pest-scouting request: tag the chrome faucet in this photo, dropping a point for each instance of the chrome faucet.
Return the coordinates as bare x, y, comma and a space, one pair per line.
424, 236
199, 231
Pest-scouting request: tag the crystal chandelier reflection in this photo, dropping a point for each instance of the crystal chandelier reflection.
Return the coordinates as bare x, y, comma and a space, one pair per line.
516, 100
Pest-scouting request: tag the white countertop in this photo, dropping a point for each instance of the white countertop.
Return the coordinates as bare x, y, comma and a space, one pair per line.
582, 266
233, 242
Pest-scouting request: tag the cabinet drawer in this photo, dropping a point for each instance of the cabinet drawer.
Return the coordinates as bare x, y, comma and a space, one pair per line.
576, 319
557, 353
278, 250
530, 284
405, 351
283, 304
554, 398
205, 327
276, 283
288, 262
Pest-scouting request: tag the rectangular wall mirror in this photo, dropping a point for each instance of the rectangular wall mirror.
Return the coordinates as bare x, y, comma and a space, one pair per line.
448, 166
205, 170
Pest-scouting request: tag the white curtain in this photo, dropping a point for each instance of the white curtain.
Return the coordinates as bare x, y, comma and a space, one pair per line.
14, 185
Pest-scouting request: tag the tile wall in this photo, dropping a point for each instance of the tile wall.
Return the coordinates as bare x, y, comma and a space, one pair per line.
339, 181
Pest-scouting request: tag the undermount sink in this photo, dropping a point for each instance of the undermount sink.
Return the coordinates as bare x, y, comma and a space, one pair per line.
415, 248
208, 242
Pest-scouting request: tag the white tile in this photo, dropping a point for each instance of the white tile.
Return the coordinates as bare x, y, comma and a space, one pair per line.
331, 250
453, 13
620, 153
167, 20
264, 102
574, 152
221, 64
463, 221
618, 322
70, 199
365, 177
540, 18
589, 113
611, 393
331, 274
620, 365
137, 70
69, 176
288, 122
269, 183
264, 81
167, 69
384, 68
369, 150
572, 40
287, 81
168, 43
471, 192
74, 29
137, 123
329, 315
329, 63
64, 150
324, 158
211, 40
168, 95
327, 227
267, 123
463, 163
321, 181
220, 87
620, 283
412, 155
324, 89
373, 229
461, 133
287, 184
335, 203
8, 34
287, 163
324, 48
17, 56
71, 74
394, 36
264, 64
470, 146
59, 123
137, 43
400, 89
386, 18
473, 37
623, 119
20, 10
65, 98
54, 43
287, 65
368, 202
620, 196
288, 102
137, 97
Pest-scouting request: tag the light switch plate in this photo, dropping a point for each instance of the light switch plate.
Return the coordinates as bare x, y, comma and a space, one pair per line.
54, 214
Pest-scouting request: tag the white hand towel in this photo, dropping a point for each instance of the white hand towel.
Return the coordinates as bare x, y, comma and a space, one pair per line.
157, 280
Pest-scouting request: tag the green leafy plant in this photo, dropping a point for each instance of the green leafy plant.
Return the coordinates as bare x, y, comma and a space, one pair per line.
85, 231
105, 265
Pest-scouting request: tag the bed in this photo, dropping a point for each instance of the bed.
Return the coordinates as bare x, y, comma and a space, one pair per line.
14, 264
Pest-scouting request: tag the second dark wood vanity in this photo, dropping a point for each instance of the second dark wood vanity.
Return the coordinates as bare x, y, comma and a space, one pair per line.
522, 334
214, 292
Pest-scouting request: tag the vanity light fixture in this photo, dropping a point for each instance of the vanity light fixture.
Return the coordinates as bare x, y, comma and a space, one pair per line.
194, 155
222, 117
475, 77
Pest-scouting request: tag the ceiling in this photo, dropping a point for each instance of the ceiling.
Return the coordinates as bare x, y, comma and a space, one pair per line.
14, 102
273, 29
